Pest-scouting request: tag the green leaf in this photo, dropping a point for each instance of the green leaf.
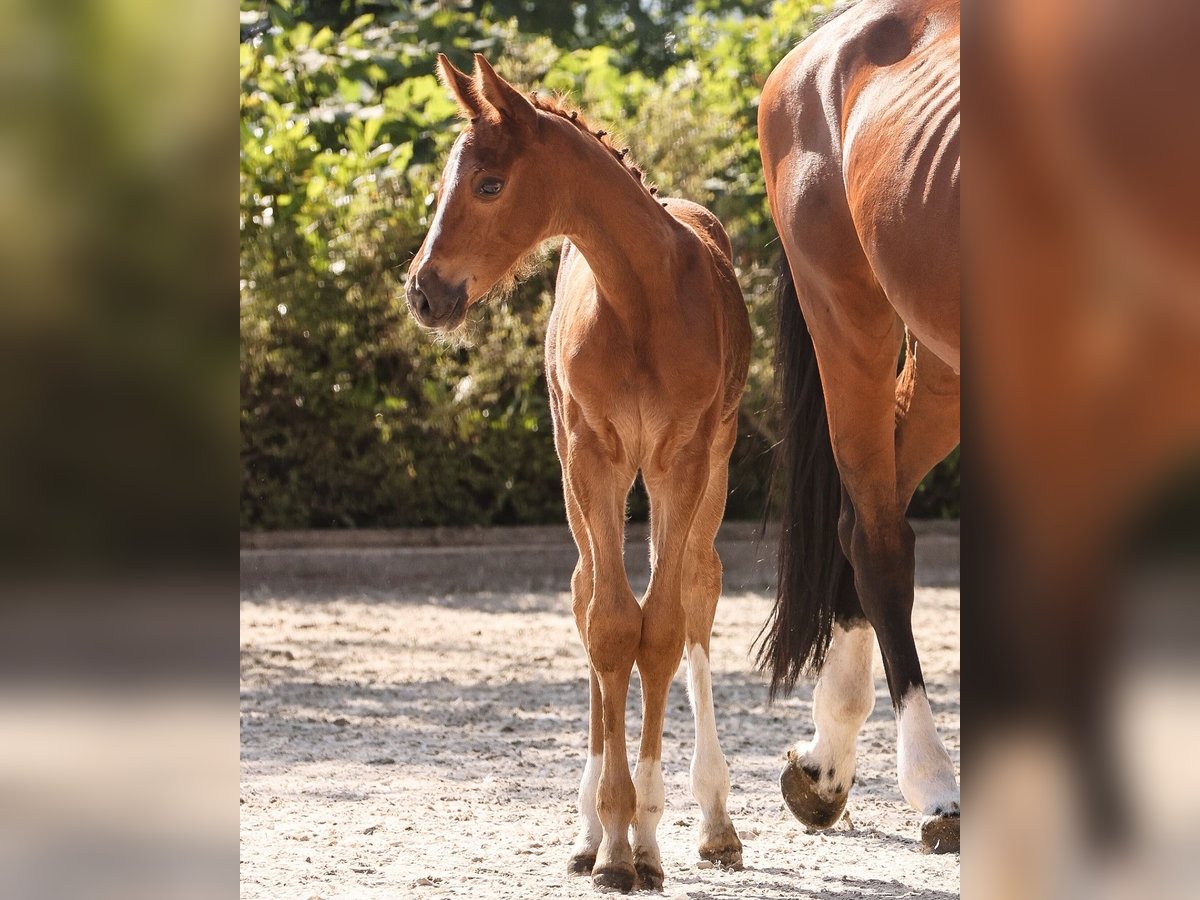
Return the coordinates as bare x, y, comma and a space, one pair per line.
371, 130
358, 24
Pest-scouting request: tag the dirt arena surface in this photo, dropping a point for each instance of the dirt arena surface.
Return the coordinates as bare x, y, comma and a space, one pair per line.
431, 746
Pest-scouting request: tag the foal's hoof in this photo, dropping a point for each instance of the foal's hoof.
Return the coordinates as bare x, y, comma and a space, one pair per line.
581, 864
800, 786
939, 834
615, 878
649, 875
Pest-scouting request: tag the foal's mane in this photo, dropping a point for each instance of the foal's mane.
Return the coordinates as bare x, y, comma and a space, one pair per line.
557, 105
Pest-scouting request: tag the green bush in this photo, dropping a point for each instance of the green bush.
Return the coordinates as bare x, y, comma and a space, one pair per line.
351, 416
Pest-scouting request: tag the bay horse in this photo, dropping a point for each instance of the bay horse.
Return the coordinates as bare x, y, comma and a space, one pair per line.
859, 133
1084, 230
647, 350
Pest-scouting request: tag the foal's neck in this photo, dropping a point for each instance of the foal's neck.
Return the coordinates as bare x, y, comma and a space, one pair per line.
621, 229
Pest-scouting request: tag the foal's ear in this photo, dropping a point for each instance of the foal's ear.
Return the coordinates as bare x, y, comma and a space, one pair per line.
460, 83
508, 101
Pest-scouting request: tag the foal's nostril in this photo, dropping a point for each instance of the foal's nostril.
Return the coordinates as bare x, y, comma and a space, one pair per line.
417, 300
433, 303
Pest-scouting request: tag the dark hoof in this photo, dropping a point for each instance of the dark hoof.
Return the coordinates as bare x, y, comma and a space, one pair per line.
726, 857
615, 878
649, 875
939, 834
800, 793
581, 864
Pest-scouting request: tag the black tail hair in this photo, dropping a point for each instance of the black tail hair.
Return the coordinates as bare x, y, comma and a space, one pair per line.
815, 583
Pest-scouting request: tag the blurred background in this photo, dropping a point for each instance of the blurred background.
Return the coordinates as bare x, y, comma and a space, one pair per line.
118, 450
350, 415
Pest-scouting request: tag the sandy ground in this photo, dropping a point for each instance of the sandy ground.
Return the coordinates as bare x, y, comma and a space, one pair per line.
432, 747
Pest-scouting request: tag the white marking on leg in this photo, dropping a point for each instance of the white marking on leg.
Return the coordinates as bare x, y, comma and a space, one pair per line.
648, 782
842, 699
710, 772
926, 773
590, 829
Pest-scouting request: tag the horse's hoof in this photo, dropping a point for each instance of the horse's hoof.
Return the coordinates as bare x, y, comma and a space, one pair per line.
725, 857
721, 846
615, 878
939, 834
802, 795
581, 864
649, 875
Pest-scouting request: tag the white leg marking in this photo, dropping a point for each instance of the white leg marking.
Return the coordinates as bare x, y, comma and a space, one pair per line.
648, 782
590, 829
926, 773
710, 773
842, 700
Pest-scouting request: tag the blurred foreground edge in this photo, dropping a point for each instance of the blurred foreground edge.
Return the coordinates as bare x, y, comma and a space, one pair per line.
1083, 416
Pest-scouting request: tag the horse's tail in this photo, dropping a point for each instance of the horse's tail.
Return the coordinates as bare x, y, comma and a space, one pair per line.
815, 582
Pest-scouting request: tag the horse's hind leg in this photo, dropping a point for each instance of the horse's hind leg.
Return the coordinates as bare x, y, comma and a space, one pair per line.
927, 414
818, 775
719, 841
858, 370
927, 403
675, 495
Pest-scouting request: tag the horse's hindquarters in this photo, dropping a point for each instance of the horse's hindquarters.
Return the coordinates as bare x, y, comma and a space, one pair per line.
901, 164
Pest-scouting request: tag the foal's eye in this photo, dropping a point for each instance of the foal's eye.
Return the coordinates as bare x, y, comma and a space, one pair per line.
490, 187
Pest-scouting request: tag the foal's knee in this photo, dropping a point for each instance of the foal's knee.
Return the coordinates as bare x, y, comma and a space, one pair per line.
661, 642
581, 596
614, 630
581, 584
702, 574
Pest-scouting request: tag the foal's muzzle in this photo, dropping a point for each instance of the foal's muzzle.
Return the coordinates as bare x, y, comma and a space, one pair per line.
434, 303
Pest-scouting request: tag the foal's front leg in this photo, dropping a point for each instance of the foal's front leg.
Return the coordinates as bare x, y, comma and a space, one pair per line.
611, 627
583, 586
719, 841
583, 855
674, 498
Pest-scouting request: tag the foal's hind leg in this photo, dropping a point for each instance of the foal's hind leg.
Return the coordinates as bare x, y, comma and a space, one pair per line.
675, 494
719, 840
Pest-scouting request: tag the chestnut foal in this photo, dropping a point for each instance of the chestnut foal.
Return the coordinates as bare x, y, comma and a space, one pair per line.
646, 355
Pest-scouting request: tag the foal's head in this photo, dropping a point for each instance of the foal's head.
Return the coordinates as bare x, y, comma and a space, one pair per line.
494, 205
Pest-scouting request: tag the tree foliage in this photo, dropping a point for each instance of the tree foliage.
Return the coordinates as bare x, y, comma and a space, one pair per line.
350, 415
